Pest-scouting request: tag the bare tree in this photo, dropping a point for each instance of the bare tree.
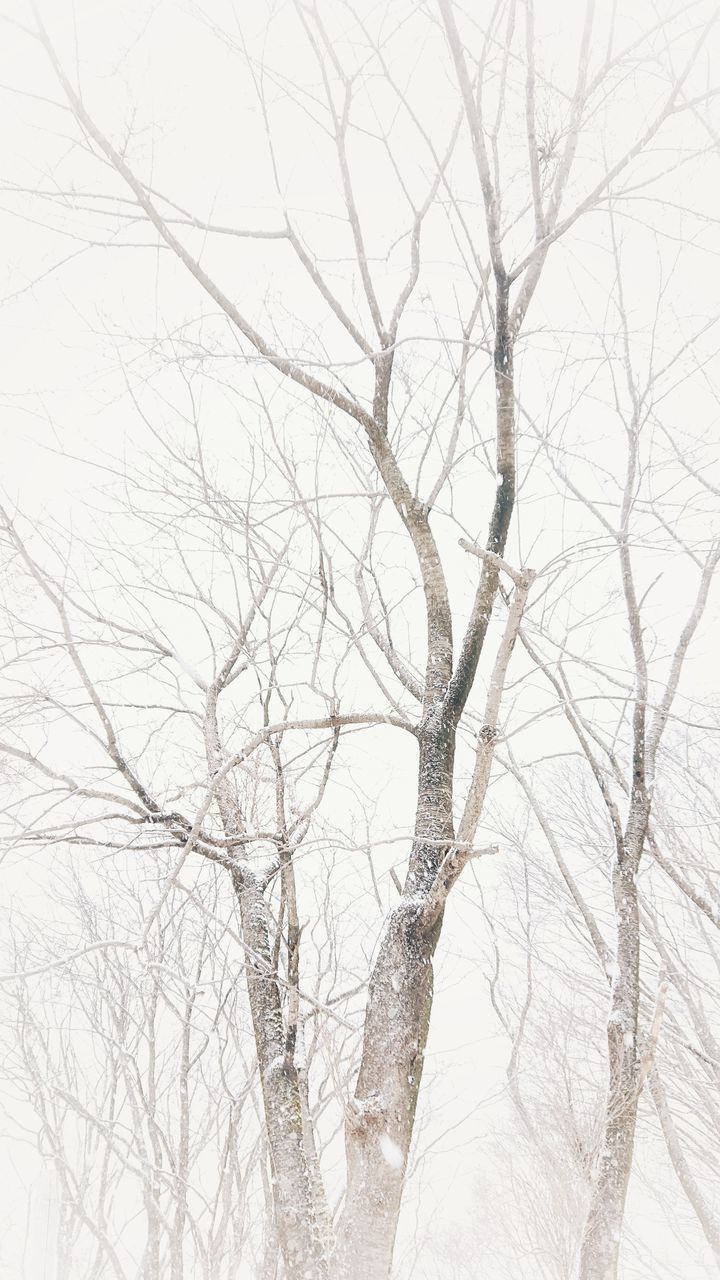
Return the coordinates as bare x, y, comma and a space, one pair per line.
625, 752
246, 666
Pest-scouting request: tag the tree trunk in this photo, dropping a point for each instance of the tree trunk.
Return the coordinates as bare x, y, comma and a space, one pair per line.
294, 1193
296, 1184
603, 1228
380, 1122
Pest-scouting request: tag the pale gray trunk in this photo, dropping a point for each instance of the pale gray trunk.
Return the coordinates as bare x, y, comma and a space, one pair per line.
296, 1187
294, 1190
603, 1228
380, 1122
182, 1165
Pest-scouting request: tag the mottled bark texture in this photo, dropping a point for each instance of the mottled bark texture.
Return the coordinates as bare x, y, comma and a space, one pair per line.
299, 1208
381, 1117
298, 1223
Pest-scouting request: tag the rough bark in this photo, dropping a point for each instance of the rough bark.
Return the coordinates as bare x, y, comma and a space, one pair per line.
381, 1116
296, 1220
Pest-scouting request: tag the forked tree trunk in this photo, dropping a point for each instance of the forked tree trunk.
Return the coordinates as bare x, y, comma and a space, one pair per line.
380, 1124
